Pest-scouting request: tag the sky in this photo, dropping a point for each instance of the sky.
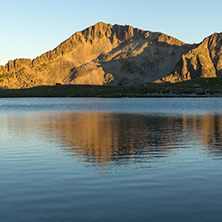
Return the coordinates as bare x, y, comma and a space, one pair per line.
31, 28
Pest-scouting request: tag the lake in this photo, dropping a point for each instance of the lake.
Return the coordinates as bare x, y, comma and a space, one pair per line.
120, 159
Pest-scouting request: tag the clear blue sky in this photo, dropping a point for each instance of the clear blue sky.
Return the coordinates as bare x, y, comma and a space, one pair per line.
30, 28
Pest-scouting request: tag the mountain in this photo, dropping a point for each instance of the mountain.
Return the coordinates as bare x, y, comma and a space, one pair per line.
203, 61
113, 55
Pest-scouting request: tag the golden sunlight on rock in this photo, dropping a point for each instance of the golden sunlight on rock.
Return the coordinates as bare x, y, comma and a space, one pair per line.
128, 55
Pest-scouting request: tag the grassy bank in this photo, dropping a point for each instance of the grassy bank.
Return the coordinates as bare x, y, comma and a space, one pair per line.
194, 88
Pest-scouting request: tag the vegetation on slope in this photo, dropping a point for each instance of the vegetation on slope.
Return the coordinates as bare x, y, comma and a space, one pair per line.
202, 87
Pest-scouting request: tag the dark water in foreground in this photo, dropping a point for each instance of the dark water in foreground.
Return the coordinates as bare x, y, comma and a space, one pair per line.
110, 160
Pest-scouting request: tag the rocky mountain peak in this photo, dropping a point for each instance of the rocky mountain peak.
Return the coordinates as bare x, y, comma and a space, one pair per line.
117, 54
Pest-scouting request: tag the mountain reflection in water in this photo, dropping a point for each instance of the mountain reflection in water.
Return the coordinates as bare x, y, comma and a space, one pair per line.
111, 159
114, 138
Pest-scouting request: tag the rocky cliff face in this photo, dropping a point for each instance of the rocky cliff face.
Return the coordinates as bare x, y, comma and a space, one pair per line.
203, 61
107, 54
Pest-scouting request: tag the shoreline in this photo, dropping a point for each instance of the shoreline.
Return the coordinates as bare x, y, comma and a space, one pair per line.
204, 88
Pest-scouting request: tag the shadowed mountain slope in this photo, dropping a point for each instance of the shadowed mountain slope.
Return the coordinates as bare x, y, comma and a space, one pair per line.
107, 54
203, 61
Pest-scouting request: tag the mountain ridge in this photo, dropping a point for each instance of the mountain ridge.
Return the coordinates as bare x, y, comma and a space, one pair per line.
106, 54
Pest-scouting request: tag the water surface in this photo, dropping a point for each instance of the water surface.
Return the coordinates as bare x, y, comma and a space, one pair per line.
110, 159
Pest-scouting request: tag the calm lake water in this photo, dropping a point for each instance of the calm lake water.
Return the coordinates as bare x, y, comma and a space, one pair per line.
71, 159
